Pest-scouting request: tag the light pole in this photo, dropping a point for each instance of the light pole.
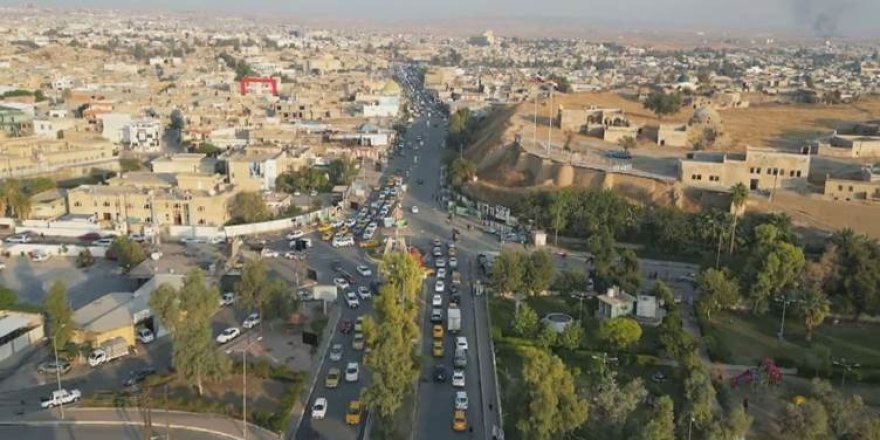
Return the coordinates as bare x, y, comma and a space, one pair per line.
244, 385
57, 367
690, 423
847, 367
785, 301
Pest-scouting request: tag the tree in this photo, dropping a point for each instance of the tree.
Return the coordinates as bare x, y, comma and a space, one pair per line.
857, 277
732, 427
628, 143
14, 199
8, 298
178, 121
614, 405
59, 314
462, 171
249, 207
807, 421
570, 281
127, 164
661, 424
209, 149
508, 271
572, 336
255, 288
560, 207
717, 292
699, 396
628, 273
738, 195
539, 272
601, 246
129, 252
774, 264
85, 258
620, 333
813, 306
553, 407
525, 321
187, 313
663, 294
663, 104
342, 171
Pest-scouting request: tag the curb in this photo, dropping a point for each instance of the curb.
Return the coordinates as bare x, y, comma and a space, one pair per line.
113, 423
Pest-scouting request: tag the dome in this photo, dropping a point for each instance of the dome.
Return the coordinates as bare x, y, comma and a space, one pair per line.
705, 115
390, 88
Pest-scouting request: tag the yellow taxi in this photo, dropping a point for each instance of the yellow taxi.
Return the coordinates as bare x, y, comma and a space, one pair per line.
438, 331
438, 348
353, 416
459, 420
325, 227
332, 380
327, 236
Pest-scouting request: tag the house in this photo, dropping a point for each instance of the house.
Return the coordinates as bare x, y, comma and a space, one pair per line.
672, 135
49, 205
865, 187
757, 169
15, 123
610, 124
851, 146
18, 331
648, 307
615, 303
143, 135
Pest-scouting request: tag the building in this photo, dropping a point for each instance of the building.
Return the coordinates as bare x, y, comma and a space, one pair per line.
850, 146
184, 163
15, 123
259, 86
18, 331
52, 128
672, 135
33, 156
611, 124
866, 187
757, 169
615, 303
112, 126
143, 135
48, 205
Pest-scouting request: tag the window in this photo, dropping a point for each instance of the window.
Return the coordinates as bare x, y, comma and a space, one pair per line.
850, 189
77, 204
791, 173
147, 206
201, 221
840, 187
106, 204
699, 177
201, 209
758, 170
798, 173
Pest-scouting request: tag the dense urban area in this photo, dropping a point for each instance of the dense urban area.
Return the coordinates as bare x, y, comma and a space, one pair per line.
222, 228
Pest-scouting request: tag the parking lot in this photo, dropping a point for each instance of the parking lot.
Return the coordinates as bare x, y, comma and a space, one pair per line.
33, 279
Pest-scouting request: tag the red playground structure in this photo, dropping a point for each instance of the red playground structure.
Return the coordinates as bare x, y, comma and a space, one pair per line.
766, 373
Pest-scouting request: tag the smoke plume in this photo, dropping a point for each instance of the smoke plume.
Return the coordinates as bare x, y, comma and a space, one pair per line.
822, 17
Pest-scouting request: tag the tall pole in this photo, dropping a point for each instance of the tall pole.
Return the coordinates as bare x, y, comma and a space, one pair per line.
550, 130
782, 322
535, 142
244, 394
57, 368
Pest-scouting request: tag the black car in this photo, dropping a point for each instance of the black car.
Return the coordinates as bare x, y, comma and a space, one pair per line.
455, 298
439, 373
337, 266
138, 376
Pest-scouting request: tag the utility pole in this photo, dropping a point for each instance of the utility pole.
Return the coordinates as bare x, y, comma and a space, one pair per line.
244, 351
550, 131
57, 368
847, 367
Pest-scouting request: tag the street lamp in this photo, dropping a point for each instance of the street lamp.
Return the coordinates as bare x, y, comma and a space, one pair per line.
244, 384
785, 300
847, 367
57, 367
690, 423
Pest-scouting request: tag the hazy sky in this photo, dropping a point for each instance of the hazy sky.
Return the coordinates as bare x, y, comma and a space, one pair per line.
820, 17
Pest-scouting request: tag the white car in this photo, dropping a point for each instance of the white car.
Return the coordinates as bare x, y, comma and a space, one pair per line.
319, 408
351, 372
294, 235
39, 255
441, 273
440, 262
228, 335
364, 270
461, 400
364, 292
340, 282
227, 299
336, 352
458, 378
439, 286
436, 301
453, 262
291, 255
21, 238
269, 253
2, 266
251, 321
145, 335
342, 241
352, 300
103, 242
461, 343
415, 209
437, 252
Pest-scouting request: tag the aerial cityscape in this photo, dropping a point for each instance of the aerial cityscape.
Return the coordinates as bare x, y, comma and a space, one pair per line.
378, 219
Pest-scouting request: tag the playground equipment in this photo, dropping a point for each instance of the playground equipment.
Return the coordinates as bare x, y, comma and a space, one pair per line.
766, 373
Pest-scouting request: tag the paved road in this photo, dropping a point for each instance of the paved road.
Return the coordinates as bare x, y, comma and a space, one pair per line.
81, 432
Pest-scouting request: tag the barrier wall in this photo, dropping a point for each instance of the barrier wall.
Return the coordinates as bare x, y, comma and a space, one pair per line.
64, 250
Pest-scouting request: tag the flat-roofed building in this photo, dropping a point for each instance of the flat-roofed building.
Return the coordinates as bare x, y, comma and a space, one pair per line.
34, 156
757, 169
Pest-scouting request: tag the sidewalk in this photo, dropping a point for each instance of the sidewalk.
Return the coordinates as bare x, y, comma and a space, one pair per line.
207, 423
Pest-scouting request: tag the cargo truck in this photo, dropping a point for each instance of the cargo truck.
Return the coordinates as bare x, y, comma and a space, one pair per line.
112, 349
453, 319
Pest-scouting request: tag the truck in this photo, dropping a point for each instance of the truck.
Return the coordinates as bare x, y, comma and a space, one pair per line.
453, 319
109, 350
60, 397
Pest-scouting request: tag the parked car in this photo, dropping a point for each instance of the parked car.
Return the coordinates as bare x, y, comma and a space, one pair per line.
364, 270
39, 255
52, 367
137, 376
319, 408
228, 335
294, 235
251, 321
227, 299
19, 238
269, 253
145, 335
103, 242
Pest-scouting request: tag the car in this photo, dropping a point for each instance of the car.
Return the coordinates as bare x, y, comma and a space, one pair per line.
439, 373
461, 400
353, 416
103, 242
658, 377
414, 209
453, 262
437, 252
618, 155
459, 421
364, 270
345, 326
352, 300
319, 408
341, 282
441, 272
439, 286
455, 298
458, 378
251, 321
20, 238
440, 262
336, 351
336, 266
291, 255
461, 343
137, 376
436, 242
364, 292
296, 233
91, 236
437, 348
192, 240
358, 342
52, 367
327, 236
39, 255
436, 315
436, 301
269, 253
352, 372
227, 299
228, 335
145, 335
450, 252
437, 331
332, 379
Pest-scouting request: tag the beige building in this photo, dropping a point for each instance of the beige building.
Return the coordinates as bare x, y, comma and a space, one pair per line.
610, 124
34, 156
672, 135
856, 146
48, 205
757, 169
184, 163
866, 187
257, 168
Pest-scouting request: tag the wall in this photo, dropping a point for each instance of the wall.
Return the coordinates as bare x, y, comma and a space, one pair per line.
60, 228
278, 225
55, 249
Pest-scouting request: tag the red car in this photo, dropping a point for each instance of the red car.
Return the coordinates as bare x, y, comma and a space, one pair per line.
345, 327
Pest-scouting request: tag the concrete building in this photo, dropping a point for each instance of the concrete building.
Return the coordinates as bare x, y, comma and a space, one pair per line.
15, 123
615, 303
850, 146
32, 156
184, 163
672, 135
112, 126
610, 124
48, 205
757, 169
143, 135
52, 128
866, 187
18, 331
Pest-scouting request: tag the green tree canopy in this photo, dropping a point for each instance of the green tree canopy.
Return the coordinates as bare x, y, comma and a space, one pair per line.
663, 104
620, 333
508, 270
59, 314
342, 171
553, 406
539, 272
525, 321
129, 252
249, 207
718, 291
661, 423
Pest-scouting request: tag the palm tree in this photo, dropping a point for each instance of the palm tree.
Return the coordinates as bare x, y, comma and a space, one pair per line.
738, 195
813, 305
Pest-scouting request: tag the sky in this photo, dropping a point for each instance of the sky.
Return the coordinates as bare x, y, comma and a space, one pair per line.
819, 18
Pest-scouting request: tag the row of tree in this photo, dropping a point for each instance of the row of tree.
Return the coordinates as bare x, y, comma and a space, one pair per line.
341, 171
15, 195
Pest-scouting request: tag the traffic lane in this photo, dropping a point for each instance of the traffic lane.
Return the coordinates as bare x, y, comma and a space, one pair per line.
79, 432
